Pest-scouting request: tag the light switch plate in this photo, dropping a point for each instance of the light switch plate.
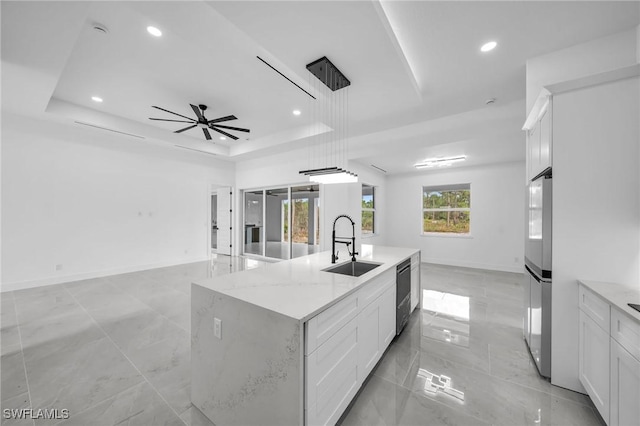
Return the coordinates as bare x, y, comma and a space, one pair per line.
217, 328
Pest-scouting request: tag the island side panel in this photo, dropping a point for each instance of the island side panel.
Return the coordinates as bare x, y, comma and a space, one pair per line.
253, 375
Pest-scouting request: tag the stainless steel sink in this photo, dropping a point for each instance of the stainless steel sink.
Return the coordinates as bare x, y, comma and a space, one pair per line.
355, 269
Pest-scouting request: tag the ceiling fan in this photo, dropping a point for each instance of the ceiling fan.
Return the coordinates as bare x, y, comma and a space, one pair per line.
203, 123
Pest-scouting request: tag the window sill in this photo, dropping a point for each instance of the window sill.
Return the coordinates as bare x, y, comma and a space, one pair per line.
446, 235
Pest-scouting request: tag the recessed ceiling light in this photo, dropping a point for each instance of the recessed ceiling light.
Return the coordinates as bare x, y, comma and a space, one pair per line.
488, 46
296, 112
154, 31
96, 99
222, 138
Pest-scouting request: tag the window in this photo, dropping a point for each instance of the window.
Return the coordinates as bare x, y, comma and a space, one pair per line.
446, 209
368, 209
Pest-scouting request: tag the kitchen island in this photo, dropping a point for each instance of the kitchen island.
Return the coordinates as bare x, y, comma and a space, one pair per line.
289, 343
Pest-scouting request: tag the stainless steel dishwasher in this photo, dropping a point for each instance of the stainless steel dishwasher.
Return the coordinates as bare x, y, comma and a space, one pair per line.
403, 294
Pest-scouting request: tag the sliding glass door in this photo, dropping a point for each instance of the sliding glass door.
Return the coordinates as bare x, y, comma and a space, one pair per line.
290, 225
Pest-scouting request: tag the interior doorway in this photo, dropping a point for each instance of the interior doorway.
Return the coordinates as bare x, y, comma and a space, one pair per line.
214, 223
221, 220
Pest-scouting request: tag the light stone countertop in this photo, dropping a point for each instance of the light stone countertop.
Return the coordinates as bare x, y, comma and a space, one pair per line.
617, 295
298, 288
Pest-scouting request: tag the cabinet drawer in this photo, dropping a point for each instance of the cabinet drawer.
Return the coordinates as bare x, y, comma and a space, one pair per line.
415, 260
374, 289
594, 306
324, 325
626, 332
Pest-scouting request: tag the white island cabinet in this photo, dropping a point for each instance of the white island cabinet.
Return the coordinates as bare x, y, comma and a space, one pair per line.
610, 351
290, 343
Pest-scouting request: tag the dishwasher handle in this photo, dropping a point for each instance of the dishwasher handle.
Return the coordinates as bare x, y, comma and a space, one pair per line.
403, 266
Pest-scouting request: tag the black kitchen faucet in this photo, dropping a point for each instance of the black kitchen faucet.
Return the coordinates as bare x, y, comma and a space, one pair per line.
334, 255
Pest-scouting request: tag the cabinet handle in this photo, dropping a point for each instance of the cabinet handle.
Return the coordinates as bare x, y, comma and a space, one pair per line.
618, 326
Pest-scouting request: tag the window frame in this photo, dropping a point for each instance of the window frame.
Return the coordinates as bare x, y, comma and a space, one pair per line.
443, 188
368, 209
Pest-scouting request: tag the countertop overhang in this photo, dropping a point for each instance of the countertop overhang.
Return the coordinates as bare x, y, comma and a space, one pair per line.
299, 288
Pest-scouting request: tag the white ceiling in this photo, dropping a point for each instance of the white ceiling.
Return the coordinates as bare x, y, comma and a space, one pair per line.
418, 79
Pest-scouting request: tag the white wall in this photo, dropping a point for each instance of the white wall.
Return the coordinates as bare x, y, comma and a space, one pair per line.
496, 239
596, 56
596, 212
98, 203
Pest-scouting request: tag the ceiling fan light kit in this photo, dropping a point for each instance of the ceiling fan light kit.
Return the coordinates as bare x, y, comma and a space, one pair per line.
202, 122
330, 108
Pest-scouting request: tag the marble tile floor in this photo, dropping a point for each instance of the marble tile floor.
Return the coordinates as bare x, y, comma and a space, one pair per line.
462, 361
116, 351
112, 350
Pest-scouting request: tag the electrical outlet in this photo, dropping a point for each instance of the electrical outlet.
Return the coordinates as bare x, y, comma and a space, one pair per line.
516, 259
59, 267
217, 328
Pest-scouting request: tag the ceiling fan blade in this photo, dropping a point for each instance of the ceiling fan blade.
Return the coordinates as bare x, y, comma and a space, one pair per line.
227, 118
207, 134
238, 129
175, 121
235, 138
197, 111
171, 112
186, 128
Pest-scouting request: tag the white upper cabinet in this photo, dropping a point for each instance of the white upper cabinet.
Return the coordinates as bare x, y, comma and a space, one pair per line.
539, 135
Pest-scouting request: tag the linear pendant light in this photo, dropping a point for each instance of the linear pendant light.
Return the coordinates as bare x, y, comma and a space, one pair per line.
328, 151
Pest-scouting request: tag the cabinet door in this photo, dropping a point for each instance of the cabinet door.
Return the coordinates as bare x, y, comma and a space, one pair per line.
594, 362
625, 387
545, 138
369, 343
387, 318
415, 286
533, 143
332, 376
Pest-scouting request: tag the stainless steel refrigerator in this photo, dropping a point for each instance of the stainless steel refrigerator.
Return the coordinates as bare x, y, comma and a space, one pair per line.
537, 279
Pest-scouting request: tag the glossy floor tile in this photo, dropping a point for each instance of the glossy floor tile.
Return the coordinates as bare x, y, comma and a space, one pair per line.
116, 351
462, 360
113, 350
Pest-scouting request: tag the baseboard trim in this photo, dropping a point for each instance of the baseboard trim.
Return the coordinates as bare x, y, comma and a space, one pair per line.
21, 285
518, 269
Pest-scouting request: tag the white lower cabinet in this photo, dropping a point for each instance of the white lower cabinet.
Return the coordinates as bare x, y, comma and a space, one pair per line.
370, 344
387, 317
609, 359
336, 369
625, 387
594, 359
415, 281
333, 376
